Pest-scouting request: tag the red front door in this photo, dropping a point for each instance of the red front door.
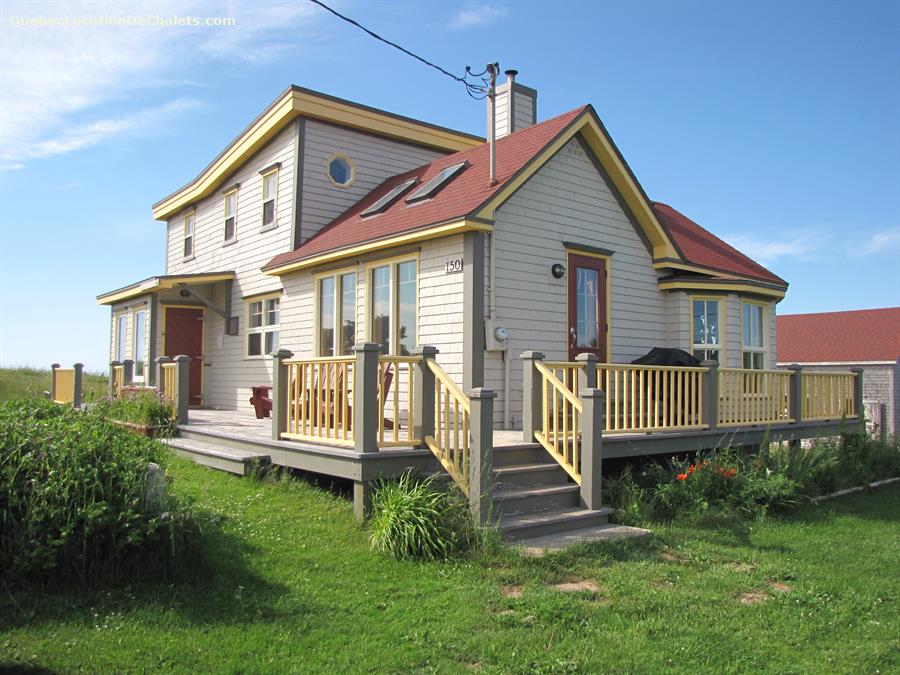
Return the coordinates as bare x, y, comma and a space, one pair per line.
587, 331
184, 335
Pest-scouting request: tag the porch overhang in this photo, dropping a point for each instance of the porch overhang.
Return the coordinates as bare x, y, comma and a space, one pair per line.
724, 285
161, 283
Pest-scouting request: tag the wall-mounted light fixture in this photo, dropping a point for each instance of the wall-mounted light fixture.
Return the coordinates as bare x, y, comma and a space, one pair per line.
184, 293
558, 270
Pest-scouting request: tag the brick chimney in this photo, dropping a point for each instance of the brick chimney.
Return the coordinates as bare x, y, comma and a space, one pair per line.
516, 106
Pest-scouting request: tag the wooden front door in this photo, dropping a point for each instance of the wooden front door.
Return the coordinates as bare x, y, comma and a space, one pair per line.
587, 330
184, 335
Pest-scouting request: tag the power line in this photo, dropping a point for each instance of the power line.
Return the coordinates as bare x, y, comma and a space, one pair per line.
476, 90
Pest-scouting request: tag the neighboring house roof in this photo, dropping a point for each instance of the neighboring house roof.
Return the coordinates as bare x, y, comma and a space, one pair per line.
850, 337
295, 102
701, 247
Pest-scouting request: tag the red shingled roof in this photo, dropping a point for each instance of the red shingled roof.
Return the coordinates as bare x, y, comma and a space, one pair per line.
861, 335
459, 198
700, 247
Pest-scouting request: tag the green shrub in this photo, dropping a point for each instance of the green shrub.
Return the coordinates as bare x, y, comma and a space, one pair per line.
413, 519
632, 502
74, 500
812, 468
144, 406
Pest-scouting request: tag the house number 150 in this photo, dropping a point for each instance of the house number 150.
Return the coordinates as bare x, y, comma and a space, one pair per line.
452, 266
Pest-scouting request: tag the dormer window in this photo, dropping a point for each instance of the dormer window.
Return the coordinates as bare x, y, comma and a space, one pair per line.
269, 189
230, 215
189, 236
433, 186
341, 171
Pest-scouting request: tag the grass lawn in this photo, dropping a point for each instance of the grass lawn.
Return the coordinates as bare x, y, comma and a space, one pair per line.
289, 584
19, 382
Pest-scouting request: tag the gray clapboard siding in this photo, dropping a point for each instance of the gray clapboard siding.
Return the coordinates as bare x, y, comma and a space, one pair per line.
523, 109
679, 320
567, 200
733, 335
375, 158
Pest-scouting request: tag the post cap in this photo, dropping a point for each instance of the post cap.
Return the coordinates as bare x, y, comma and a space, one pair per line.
532, 356
709, 363
78, 366
857, 369
367, 347
481, 393
424, 350
282, 354
587, 356
592, 392
161, 359
182, 358
794, 366
56, 365
127, 361
115, 363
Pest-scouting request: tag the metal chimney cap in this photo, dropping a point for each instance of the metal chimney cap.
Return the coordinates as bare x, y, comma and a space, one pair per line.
511, 74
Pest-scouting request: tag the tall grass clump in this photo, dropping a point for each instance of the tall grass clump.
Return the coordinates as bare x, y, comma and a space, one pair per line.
413, 519
146, 407
79, 501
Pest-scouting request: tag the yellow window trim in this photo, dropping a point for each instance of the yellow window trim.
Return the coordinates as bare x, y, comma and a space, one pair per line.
391, 262
749, 289
723, 332
293, 103
336, 273
381, 244
607, 285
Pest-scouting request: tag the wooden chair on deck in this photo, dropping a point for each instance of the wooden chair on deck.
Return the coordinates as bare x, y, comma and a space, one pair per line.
331, 408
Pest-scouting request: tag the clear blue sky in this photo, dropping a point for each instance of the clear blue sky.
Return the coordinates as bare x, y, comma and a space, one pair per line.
775, 125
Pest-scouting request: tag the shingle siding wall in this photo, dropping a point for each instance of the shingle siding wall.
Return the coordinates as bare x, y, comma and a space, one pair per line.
374, 157
567, 200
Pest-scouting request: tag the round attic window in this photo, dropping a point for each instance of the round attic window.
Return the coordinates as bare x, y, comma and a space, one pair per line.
341, 171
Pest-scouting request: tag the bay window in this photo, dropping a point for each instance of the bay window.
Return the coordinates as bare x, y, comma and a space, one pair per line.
706, 331
337, 314
393, 306
262, 325
753, 349
121, 334
139, 340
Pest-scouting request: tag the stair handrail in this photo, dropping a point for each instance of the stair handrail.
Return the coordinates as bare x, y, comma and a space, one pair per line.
450, 403
561, 412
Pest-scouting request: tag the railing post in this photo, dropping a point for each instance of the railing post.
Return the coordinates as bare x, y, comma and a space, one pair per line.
365, 397
858, 391
281, 392
796, 393
587, 376
531, 395
182, 387
710, 402
481, 453
160, 382
112, 378
127, 372
53, 369
77, 383
593, 407
423, 393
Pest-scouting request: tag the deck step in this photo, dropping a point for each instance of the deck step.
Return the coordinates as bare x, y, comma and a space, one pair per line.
529, 475
529, 525
536, 499
519, 454
239, 462
537, 546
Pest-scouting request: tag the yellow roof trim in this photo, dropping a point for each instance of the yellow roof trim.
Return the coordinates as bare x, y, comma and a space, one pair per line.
381, 244
603, 149
294, 103
712, 285
663, 265
156, 284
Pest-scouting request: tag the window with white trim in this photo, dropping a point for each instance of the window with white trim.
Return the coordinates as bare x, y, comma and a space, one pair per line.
188, 246
337, 314
270, 190
393, 306
262, 325
139, 345
753, 347
706, 331
230, 215
121, 335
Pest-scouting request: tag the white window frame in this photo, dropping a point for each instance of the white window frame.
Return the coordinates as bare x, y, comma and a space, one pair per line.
264, 327
225, 197
394, 327
188, 228
718, 347
762, 348
139, 338
121, 344
338, 276
270, 198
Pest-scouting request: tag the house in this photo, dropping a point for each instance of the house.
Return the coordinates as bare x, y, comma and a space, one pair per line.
352, 237
867, 338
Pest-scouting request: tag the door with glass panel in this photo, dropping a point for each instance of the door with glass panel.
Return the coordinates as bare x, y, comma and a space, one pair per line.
587, 325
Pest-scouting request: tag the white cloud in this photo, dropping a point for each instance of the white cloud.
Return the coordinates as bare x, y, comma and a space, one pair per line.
67, 87
476, 15
880, 241
798, 244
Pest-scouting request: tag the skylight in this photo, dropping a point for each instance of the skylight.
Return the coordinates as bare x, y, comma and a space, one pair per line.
385, 202
431, 187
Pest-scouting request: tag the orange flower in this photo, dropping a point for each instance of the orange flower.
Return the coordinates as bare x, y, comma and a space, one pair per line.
691, 469
682, 476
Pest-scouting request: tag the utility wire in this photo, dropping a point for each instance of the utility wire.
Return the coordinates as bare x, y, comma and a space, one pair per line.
473, 89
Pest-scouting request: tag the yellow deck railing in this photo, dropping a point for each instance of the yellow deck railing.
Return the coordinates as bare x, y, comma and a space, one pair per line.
320, 407
118, 380
754, 396
651, 398
828, 395
167, 384
450, 443
396, 381
561, 411
64, 385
